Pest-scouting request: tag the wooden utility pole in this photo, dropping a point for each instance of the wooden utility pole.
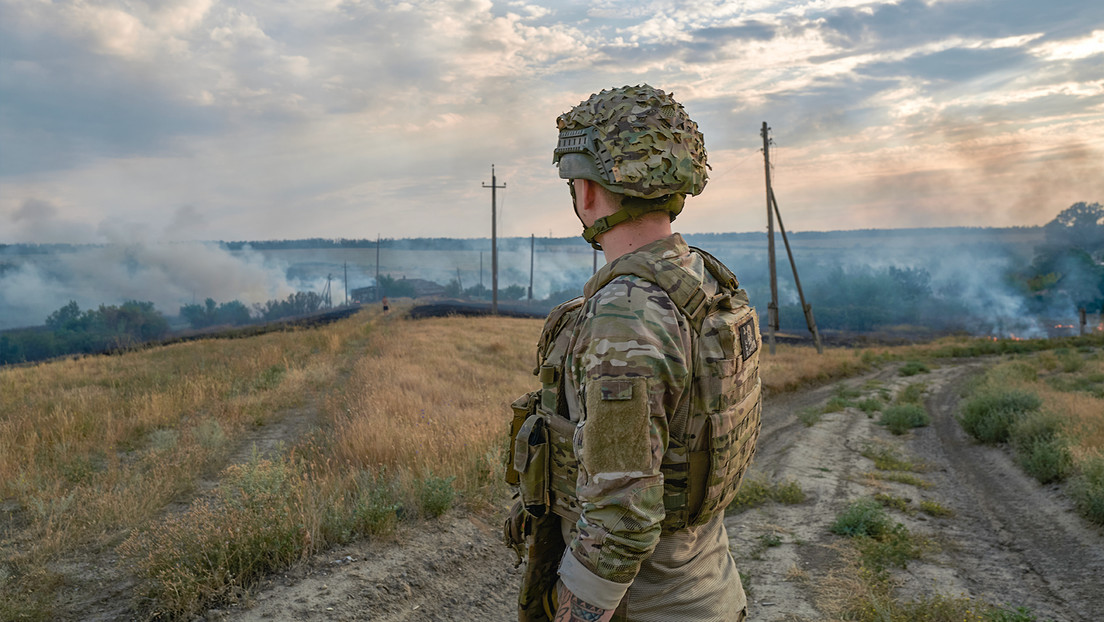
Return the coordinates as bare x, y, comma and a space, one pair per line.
772, 307
532, 255
379, 288
346, 282
772, 211
494, 242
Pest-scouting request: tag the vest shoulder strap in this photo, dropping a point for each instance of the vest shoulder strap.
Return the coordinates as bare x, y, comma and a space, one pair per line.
682, 286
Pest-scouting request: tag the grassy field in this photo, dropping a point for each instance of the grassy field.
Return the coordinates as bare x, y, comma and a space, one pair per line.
147, 456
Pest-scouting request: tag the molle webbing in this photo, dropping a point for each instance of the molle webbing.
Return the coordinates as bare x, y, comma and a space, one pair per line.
713, 433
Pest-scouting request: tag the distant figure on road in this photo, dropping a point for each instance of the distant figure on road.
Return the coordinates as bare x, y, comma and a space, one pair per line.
648, 411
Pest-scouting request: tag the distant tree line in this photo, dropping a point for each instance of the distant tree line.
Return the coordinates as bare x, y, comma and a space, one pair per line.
235, 313
72, 331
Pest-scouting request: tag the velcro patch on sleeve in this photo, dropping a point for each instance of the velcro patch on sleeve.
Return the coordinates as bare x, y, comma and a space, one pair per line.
616, 431
613, 390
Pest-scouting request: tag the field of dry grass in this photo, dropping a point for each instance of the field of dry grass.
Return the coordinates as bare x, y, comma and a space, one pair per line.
145, 456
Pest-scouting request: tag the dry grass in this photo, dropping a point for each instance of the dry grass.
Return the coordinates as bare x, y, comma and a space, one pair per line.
434, 395
793, 367
94, 451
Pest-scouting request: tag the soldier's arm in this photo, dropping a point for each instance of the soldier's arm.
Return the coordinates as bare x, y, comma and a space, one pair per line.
634, 355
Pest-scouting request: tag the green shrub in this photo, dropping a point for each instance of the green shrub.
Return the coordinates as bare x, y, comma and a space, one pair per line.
809, 416
1012, 372
1071, 362
988, 416
789, 493
376, 508
436, 494
752, 493
869, 405
912, 394
900, 504
1087, 490
911, 368
901, 418
1040, 449
864, 517
836, 404
756, 492
895, 547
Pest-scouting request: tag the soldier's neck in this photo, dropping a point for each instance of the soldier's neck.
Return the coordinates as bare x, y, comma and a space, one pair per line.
630, 236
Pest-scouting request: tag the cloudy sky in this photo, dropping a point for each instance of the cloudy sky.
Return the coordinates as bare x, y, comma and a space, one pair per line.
201, 119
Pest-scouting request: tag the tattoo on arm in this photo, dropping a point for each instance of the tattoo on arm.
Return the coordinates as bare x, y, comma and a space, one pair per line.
576, 610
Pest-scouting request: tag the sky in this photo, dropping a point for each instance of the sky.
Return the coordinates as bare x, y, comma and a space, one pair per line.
281, 119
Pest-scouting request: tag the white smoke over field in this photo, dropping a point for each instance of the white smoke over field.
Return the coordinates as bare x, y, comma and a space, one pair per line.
34, 284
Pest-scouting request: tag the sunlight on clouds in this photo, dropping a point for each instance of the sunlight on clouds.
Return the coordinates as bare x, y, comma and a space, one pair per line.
1073, 49
354, 106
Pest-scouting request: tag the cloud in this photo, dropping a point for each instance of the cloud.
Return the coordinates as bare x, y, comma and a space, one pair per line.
307, 118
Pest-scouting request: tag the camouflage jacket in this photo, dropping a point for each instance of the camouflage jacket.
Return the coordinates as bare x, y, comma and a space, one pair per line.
627, 373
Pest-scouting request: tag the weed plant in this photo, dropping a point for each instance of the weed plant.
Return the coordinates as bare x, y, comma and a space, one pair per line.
1087, 490
932, 508
870, 405
900, 504
886, 459
989, 416
881, 542
900, 418
912, 394
810, 415
911, 368
755, 492
1040, 449
863, 517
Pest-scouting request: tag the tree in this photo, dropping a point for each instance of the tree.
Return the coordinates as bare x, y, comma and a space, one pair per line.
395, 288
1080, 225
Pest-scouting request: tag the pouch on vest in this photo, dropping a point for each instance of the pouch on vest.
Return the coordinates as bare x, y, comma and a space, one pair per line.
531, 463
523, 407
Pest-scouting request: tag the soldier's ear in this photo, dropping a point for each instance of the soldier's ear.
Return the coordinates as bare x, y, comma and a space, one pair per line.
593, 201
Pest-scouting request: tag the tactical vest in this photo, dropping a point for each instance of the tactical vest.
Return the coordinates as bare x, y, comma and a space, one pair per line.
713, 433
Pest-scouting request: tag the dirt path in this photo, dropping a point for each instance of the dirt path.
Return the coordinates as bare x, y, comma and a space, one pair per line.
1009, 541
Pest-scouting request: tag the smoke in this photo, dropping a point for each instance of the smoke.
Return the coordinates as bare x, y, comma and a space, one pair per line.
34, 284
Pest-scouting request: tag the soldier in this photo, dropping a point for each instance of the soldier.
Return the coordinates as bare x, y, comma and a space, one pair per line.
649, 404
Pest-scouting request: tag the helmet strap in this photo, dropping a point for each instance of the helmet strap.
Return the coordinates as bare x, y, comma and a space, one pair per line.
631, 208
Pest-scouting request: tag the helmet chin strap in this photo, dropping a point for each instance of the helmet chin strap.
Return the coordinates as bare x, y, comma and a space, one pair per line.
631, 208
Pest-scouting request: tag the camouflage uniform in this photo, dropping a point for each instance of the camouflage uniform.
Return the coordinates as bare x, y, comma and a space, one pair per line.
628, 373
649, 408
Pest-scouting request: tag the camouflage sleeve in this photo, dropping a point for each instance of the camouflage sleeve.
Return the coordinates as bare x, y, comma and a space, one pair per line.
630, 362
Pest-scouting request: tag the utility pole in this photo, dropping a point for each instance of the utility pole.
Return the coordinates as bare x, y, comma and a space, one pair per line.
494, 241
379, 288
772, 307
532, 255
346, 282
772, 211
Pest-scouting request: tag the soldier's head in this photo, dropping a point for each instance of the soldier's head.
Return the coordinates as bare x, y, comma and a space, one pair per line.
639, 144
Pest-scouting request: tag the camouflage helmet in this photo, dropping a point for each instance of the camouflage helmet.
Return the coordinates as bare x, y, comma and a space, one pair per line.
635, 141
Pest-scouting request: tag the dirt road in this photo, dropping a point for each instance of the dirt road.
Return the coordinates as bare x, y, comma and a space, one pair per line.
1008, 542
